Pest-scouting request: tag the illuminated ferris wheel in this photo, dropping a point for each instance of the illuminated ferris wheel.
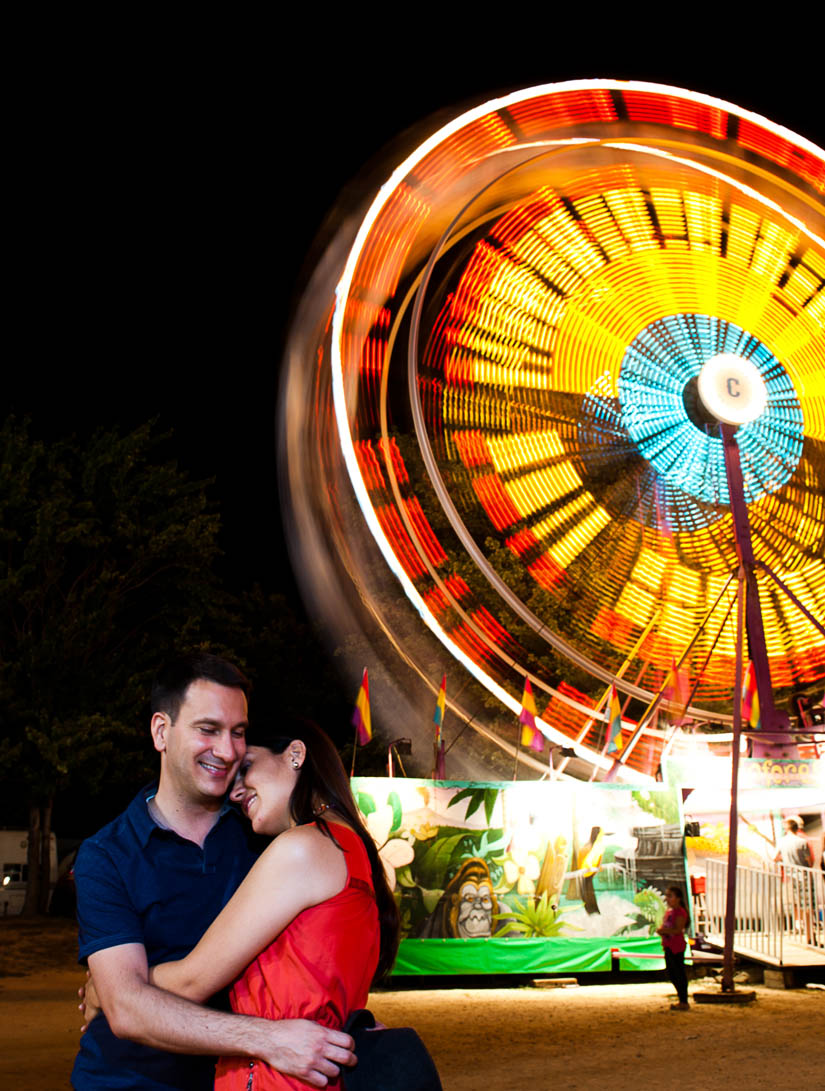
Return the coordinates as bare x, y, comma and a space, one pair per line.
510, 374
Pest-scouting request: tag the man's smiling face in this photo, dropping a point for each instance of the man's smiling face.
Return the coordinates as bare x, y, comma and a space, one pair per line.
202, 749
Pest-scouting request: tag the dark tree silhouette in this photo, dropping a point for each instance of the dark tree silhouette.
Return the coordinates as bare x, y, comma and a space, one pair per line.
106, 555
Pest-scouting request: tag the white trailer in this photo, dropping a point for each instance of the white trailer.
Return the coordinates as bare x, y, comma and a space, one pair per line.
14, 869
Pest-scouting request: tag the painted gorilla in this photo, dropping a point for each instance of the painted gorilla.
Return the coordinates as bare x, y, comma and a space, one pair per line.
467, 907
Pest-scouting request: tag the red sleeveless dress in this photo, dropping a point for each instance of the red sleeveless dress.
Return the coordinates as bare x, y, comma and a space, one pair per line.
320, 967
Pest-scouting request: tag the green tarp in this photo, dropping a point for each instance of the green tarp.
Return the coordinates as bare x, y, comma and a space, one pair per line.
523, 956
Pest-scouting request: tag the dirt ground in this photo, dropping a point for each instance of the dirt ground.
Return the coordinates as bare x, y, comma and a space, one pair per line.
613, 1036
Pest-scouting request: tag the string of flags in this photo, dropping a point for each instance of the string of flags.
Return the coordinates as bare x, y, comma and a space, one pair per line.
615, 739
530, 735
675, 688
361, 720
438, 738
438, 715
750, 698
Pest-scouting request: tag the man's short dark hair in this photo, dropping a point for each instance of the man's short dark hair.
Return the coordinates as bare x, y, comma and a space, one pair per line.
792, 824
176, 676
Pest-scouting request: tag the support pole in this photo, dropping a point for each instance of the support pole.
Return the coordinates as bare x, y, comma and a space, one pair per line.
775, 740
354, 752
518, 751
730, 903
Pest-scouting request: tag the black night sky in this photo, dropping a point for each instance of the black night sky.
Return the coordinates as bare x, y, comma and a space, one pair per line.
168, 185
172, 193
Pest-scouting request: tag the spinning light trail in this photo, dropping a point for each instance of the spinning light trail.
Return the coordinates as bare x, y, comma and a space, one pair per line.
513, 356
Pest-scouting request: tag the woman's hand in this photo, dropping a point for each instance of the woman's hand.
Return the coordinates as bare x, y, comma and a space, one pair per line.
89, 1003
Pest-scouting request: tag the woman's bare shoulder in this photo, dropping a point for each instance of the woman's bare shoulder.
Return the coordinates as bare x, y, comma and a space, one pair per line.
301, 845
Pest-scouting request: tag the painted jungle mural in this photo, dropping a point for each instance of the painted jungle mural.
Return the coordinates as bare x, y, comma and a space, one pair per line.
536, 859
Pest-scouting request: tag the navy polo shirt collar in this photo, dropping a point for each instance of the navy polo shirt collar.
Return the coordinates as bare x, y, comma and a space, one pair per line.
143, 823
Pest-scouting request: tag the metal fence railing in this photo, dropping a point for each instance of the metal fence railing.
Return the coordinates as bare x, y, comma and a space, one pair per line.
804, 900
773, 906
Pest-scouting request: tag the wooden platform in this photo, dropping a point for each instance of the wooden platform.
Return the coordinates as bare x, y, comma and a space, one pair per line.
794, 955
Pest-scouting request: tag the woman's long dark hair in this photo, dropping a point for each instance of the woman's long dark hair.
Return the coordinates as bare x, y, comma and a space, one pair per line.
322, 779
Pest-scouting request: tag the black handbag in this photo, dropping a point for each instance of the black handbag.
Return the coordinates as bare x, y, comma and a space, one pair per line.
394, 1059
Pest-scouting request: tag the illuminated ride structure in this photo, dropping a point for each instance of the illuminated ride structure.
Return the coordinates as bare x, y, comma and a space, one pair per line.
503, 356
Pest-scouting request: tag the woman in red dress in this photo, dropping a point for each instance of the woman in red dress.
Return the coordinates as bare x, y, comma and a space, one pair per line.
314, 922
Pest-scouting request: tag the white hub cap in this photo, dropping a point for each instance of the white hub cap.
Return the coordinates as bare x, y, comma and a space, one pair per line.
732, 389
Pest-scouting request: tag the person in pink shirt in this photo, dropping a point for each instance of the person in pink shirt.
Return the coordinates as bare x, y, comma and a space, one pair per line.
674, 942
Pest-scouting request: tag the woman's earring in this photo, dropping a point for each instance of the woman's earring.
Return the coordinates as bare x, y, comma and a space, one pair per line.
296, 764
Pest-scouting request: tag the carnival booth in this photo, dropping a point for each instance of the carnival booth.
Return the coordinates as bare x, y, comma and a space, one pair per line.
552, 877
525, 877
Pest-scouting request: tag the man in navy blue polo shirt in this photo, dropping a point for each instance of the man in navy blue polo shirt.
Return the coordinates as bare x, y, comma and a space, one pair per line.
149, 885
